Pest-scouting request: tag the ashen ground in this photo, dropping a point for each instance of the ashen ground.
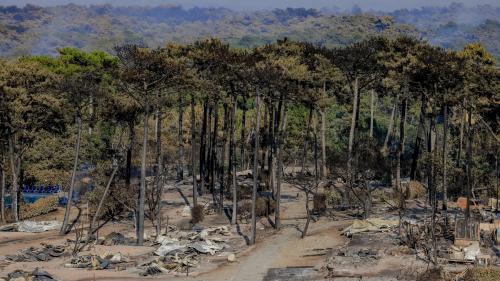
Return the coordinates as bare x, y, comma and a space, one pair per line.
273, 249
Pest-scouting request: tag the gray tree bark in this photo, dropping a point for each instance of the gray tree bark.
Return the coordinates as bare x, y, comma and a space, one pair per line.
445, 137
222, 160
142, 190
180, 140
372, 111
352, 131
2, 190
255, 169
399, 153
203, 146
468, 166
103, 198
243, 136
193, 151
279, 176
159, 168
232, 163
418, 141
73, 174
389, 129
323, 144
306, 142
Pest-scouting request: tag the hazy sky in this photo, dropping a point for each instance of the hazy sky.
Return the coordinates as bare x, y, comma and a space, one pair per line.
267, 4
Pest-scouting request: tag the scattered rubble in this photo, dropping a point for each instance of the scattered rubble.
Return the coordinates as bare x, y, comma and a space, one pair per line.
35, 275
115, 238
179, 250
206, 247
98, 262
45, 253
178, 262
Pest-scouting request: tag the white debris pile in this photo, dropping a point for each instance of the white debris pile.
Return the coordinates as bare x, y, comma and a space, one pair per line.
32, 226
179, 250
206, 241
370, 225
472, 251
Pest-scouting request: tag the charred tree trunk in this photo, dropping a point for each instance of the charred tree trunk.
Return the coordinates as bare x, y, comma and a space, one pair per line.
2, 189
203, 146
461, 138
103, 198
130, 147
222, 160
389, 129
92, 105
255, 170
142, 190
352, 132
315, 150
243, 136
460, 146
400, 155
73, 175
264, 140
497, 175
193, 151
308, 217
306, 142
445, 137
279, 154
430, 164
208, 156
468, 166
213, 149
159, 170
180, 140
372, 111
271, 148
323, 144
418, 142
445, 188
399, 152
430, 179
232, 162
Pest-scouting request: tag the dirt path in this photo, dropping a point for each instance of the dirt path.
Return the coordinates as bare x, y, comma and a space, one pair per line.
284, 249
254, 265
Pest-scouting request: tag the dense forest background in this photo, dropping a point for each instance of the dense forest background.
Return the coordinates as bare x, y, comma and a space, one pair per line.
40, 30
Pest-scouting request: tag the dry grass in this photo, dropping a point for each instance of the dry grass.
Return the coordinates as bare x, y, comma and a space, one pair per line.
413, 190
40, 207
482, 274
319, 202
197, 214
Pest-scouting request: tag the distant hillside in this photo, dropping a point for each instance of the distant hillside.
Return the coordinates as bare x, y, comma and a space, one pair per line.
456, 25
36, 30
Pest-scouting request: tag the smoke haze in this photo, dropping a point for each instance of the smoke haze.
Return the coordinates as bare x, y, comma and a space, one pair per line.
386, 5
